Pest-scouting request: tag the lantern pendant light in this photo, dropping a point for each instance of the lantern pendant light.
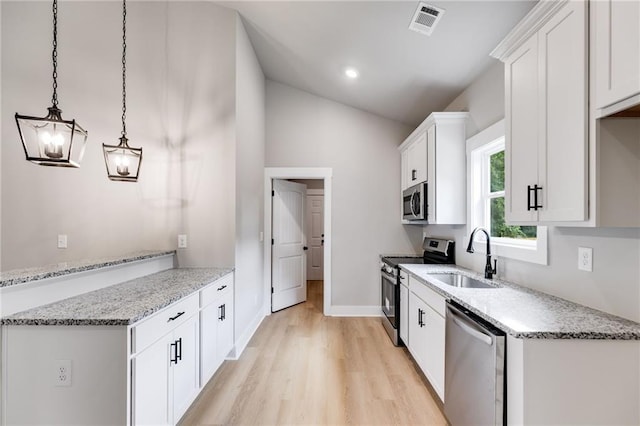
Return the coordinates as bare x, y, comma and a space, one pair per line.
122, 161
51, 140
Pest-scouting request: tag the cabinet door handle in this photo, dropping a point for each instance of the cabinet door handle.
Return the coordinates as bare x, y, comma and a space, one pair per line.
222, 288
221, 312
173, 355
414, 174
176, 317
536, 206
178, 350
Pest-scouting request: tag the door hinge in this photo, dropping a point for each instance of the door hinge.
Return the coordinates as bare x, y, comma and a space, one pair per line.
273, 193
271, 290
272, 242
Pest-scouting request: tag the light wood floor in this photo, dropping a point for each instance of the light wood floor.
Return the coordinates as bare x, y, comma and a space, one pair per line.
302, 368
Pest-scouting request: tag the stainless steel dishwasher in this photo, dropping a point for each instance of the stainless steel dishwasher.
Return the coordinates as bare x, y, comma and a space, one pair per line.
474, 389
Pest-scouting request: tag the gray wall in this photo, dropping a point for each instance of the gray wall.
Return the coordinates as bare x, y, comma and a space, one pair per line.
304, 130
195, 103
614, 284
100, 217
250, 152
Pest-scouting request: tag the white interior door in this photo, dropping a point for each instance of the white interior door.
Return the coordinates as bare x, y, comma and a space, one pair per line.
315, 236
288, 261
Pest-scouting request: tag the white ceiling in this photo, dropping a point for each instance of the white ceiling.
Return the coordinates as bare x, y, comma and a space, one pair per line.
404, 75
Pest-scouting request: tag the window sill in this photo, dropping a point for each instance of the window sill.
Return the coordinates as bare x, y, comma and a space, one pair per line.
517, 250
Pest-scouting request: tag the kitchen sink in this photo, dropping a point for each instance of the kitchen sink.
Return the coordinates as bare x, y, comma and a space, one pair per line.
462, 281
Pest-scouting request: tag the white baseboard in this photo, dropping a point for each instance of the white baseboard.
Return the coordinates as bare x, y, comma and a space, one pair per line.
354, 311
243, 340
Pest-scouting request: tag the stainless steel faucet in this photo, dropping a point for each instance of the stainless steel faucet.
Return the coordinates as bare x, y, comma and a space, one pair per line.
488, 270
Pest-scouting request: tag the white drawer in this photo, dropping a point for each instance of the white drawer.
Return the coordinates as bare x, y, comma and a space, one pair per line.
430, 297
162, 322
215, 290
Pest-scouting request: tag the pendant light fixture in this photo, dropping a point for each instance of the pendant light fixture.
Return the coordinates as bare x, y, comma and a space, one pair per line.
122, 161
50, 140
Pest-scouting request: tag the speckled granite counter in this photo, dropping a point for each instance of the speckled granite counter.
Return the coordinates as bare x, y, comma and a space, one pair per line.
526, 313
19, 276
121, 304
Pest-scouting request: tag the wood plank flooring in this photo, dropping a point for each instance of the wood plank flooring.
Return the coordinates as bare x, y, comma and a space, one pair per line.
302, 368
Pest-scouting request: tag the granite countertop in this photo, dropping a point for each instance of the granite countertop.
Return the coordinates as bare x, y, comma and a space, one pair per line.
121, 304
526, 313
19, 276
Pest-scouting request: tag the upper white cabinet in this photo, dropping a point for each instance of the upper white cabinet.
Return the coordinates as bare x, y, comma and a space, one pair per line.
615, 25
546, 108
417, 165
435, 153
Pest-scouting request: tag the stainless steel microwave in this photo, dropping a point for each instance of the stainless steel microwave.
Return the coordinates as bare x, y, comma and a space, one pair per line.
414, 202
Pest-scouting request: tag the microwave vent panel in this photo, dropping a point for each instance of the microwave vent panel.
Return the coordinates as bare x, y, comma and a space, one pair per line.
426, 18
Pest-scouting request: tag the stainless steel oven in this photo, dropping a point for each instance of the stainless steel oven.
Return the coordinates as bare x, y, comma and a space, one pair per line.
414, 202
390, 300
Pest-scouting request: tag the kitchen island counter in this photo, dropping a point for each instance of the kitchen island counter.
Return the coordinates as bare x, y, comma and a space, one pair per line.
121, 304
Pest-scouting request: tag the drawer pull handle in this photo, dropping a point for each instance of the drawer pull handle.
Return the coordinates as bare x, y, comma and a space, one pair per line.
222, 288
176, 317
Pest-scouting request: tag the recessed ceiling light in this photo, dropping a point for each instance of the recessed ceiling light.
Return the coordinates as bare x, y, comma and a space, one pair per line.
351, 73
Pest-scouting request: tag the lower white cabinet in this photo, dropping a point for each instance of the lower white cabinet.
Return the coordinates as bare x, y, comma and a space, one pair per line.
426, 340
165, 376
216, 326
151, 385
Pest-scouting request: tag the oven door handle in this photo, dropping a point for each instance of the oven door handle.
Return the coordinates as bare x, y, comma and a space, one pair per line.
389, 277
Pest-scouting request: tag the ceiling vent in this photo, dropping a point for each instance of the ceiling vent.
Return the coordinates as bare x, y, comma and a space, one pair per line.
426, 18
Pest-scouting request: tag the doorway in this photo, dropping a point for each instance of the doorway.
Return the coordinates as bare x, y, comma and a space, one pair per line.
320, 186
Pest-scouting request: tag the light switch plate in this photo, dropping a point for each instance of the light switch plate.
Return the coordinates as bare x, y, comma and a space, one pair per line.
585, 259
182, 241
62, 241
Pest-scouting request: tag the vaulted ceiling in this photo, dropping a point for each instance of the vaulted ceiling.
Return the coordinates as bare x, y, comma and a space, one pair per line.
403, 75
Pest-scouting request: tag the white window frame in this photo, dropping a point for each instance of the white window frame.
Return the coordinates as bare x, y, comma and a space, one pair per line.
479, 148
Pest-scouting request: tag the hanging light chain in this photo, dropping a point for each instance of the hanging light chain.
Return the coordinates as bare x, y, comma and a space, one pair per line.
124, 67
54, 54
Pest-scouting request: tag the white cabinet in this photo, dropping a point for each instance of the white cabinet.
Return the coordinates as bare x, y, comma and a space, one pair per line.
546, 119
435, 153
151, 385
404, 308
185, 368
417, 164
615, 25
165, 373
426, 340
216, 323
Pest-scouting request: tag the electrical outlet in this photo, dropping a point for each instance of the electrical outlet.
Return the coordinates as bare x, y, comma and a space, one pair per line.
585, 259
62, 372
62, 241
182, 241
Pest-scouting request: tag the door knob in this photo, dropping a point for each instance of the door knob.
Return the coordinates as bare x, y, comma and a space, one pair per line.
305, 248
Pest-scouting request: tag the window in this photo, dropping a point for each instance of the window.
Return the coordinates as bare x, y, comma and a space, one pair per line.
486, 162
